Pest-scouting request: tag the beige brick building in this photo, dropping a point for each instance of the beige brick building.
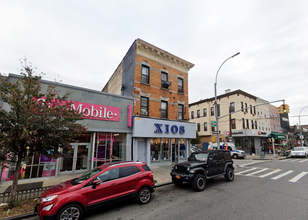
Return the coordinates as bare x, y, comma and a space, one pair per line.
248, 126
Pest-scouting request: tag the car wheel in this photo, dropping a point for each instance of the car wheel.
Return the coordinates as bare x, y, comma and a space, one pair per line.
229, 176
199, 182
144, 195
177, 181
73, 212
235, 156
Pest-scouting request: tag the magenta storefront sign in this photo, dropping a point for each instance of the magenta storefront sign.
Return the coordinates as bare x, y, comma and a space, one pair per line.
98, 112
93, 111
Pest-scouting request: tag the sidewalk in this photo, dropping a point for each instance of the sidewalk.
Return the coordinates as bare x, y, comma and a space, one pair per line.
161, 174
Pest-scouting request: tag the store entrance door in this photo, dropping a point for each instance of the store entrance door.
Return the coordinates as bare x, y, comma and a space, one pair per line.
75, 158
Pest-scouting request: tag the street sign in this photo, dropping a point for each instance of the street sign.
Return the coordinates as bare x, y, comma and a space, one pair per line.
213, 123
227, 133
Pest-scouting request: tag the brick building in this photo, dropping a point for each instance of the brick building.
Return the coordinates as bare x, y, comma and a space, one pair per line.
158, 82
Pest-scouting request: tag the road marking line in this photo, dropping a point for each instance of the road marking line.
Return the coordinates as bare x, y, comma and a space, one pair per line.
282, 175
246, 171
296, 178
270, 173
259, 171
301, 161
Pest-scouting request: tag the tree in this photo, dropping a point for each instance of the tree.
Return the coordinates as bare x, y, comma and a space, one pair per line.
37, 122
196, 140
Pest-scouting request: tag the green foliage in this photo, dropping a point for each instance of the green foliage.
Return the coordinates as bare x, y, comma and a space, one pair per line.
32, 126
197, 140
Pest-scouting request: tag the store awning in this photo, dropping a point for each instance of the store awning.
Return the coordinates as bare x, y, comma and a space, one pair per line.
278, 135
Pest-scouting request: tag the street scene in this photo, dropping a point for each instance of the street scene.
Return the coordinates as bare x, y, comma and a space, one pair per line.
262, 189
133, 110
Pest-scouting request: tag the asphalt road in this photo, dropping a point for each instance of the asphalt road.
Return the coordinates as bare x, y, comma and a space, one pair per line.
261, 190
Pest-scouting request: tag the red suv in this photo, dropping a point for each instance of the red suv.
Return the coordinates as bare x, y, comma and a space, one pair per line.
96, 187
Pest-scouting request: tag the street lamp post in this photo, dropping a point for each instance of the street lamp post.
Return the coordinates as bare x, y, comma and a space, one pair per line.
300, 126
216, 111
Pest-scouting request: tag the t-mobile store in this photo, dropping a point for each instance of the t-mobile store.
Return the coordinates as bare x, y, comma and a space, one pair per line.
107, 118
161, 142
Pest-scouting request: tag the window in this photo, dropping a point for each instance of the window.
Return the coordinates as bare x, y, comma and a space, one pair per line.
164, 109
254, 109
164, 80
204, 112
198, 113
144, 106
233, 123
180, 85
109, 175
180, 112
243, 123
258, 111
262, 126
213, 128
212, 111
242, 106
198, 127
261, 112
259, 125
252, 124
192, 115
246, 110
232, 107
128, 171
145, 74
250, 109
247, 123
205, 126
256, 125
218, 110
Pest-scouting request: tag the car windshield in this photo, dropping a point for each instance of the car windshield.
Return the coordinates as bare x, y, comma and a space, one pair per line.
199, 156
85, 176
298, 149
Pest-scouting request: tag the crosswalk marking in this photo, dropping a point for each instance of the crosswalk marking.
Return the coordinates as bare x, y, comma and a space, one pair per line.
270, 173
301, 161
245, 171
282, 175
259, 171
247, 164
296, 178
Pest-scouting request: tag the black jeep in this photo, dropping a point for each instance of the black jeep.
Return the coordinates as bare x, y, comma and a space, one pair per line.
203, 165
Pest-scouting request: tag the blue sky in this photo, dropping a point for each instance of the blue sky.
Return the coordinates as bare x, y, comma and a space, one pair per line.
82, 42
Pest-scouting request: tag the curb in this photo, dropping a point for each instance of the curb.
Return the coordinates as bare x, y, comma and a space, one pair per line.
20, 217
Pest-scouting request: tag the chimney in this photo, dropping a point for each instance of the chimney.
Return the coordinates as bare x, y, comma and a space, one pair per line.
227, 91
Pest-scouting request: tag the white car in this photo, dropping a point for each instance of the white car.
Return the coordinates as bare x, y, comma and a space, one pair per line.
299, 152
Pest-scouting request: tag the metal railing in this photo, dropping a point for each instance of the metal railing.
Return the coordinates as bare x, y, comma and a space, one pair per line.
24, 194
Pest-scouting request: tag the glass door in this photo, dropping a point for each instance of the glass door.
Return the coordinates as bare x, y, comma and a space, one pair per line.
75, 158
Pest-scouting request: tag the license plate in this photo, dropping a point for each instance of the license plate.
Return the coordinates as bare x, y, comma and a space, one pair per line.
178, 177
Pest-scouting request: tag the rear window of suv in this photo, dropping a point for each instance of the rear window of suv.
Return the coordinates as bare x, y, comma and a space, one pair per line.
227, 155
146, 168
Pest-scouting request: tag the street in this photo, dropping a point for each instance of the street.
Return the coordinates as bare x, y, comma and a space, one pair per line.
261, 190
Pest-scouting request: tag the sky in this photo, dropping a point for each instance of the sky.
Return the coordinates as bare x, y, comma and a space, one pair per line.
81, 43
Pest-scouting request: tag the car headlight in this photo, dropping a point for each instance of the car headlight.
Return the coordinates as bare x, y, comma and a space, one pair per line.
49, 198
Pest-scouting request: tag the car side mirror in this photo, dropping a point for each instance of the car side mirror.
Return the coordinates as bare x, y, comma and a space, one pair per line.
95, 183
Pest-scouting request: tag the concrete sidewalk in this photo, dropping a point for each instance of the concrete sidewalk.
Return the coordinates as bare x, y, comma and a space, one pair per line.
161, 174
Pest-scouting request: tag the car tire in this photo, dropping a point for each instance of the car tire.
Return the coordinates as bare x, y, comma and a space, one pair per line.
235, 156
199, 182
176, 181
229, 176
144, 195
72, 211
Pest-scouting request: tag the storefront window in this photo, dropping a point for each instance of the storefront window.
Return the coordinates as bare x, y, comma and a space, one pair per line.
160, 150
109, 147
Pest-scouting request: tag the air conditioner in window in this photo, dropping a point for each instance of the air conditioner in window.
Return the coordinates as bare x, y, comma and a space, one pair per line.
143, 112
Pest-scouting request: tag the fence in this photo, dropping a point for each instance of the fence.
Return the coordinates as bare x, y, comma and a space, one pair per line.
22, 195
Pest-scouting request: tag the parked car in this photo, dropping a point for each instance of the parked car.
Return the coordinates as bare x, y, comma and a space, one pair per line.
203, 165
99, 186
299, 152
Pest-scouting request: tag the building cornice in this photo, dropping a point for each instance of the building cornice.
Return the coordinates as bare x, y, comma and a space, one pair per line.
163, 54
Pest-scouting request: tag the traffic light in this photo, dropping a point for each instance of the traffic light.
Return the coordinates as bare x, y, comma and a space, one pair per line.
284, 108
